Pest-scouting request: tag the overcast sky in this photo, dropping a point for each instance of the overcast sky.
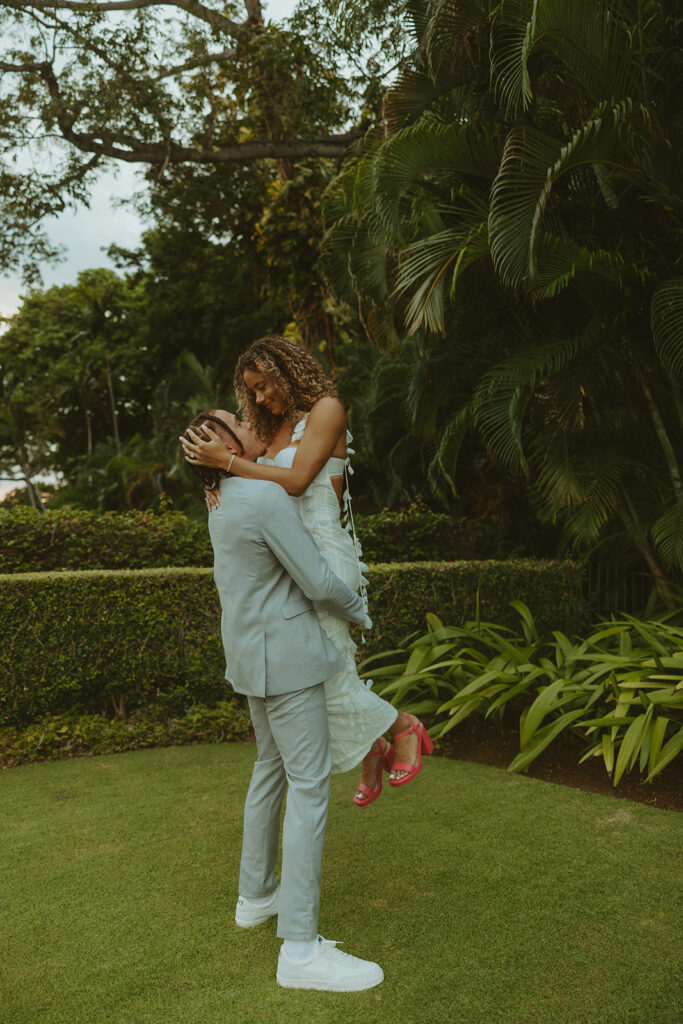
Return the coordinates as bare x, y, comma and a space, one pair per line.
86, 232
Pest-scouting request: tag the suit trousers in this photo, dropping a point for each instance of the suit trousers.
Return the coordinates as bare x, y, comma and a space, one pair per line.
293, 744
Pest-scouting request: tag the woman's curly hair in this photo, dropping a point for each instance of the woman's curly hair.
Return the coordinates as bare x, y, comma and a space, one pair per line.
297, 376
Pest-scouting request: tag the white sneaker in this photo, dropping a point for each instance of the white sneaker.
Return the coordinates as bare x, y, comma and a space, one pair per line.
328, 970
249, 913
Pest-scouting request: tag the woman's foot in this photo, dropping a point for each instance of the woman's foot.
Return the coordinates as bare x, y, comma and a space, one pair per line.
411, 741
379, 759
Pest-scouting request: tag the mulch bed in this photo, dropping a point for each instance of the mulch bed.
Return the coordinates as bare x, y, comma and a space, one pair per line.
559, 764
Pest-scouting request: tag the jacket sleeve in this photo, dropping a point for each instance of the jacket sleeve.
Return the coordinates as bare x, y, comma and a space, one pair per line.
295, 549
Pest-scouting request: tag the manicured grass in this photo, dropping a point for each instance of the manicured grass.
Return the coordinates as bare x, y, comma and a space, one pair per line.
488, 899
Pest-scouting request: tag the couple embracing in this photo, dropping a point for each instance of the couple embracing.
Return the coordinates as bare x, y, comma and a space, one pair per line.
290, 582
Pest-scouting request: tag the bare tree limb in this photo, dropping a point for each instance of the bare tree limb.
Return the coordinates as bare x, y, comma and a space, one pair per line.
170, 152
198, 62
194, 7
34, 66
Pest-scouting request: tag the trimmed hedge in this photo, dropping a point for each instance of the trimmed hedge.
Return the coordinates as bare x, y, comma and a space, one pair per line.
121, 640
31, 541
72, 735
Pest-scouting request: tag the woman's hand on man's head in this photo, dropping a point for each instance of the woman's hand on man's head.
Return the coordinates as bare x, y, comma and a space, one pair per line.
213, 453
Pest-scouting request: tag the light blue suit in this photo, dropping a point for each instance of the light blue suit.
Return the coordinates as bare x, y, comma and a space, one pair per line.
268, 571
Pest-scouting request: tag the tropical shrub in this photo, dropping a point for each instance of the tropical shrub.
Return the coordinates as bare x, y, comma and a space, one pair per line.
119, 641
511, 238
619, 690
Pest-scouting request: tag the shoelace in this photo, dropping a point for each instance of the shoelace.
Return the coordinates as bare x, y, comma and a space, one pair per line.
335, 944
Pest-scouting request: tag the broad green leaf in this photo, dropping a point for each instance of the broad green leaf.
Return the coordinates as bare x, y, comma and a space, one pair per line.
630, 746
460, 715
608, 752
668, 753
547, 701
530, 630
543, 737
594, 751
658, 732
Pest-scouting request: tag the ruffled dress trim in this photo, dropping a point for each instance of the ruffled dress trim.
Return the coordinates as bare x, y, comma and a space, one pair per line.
347, 520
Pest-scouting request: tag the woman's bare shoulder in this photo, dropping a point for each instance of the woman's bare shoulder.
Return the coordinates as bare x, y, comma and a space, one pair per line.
328, 411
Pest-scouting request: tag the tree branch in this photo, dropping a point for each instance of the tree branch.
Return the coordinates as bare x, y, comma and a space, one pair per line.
198, 62
170, 152
333, 146
193, 7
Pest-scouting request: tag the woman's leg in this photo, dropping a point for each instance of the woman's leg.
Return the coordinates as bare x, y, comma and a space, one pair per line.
405, 748
405, 752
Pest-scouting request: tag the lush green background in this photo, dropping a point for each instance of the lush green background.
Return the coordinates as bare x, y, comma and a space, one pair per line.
475, 228
487, 898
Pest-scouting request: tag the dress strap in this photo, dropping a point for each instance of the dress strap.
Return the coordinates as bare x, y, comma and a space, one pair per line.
298, 431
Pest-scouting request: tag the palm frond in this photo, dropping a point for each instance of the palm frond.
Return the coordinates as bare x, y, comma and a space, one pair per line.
443, 466
531, 165
602, 482
560, 260
429, 269
667, 534
464, 151
667, 324
503, 393
586, 35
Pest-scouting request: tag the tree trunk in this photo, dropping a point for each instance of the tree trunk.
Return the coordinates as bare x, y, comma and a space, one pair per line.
27, 476
112, 404
636, 536
664, 440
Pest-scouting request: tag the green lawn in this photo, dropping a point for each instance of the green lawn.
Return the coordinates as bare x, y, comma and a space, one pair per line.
488, 899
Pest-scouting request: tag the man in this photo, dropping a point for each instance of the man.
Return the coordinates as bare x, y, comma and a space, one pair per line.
268, 571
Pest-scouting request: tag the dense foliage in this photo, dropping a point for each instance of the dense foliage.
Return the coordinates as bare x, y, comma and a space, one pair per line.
619, 689
512, 241
105, 641
499, 291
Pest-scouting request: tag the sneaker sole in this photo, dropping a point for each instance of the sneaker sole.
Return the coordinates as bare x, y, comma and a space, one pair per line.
329, 986
253, 923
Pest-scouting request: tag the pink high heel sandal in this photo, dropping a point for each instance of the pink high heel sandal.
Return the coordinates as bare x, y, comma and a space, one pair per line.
424, 745
386, 760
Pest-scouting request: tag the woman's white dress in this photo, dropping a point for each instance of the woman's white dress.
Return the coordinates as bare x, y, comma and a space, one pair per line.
356, 715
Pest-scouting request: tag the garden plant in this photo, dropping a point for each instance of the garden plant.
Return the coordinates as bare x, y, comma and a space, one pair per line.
618, 690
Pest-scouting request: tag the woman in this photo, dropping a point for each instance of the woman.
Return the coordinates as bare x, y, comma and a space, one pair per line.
292, 406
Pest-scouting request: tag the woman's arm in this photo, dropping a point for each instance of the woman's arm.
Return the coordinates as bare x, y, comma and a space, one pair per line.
325, 425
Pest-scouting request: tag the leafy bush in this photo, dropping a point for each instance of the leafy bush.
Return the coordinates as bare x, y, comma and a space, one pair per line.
72, 735
419, 534
620, 690
128, 639
63, 539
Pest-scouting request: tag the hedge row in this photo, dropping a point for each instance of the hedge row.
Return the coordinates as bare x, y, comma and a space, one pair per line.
63, 539
73, 735
120, 640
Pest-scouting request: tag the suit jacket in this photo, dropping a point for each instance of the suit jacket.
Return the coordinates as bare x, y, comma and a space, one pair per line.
268, 571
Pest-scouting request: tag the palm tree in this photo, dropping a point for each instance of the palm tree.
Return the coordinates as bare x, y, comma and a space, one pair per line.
521, 213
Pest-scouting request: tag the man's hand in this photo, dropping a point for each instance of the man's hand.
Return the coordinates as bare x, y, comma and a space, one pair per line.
212, 497
367, 622
212, 453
